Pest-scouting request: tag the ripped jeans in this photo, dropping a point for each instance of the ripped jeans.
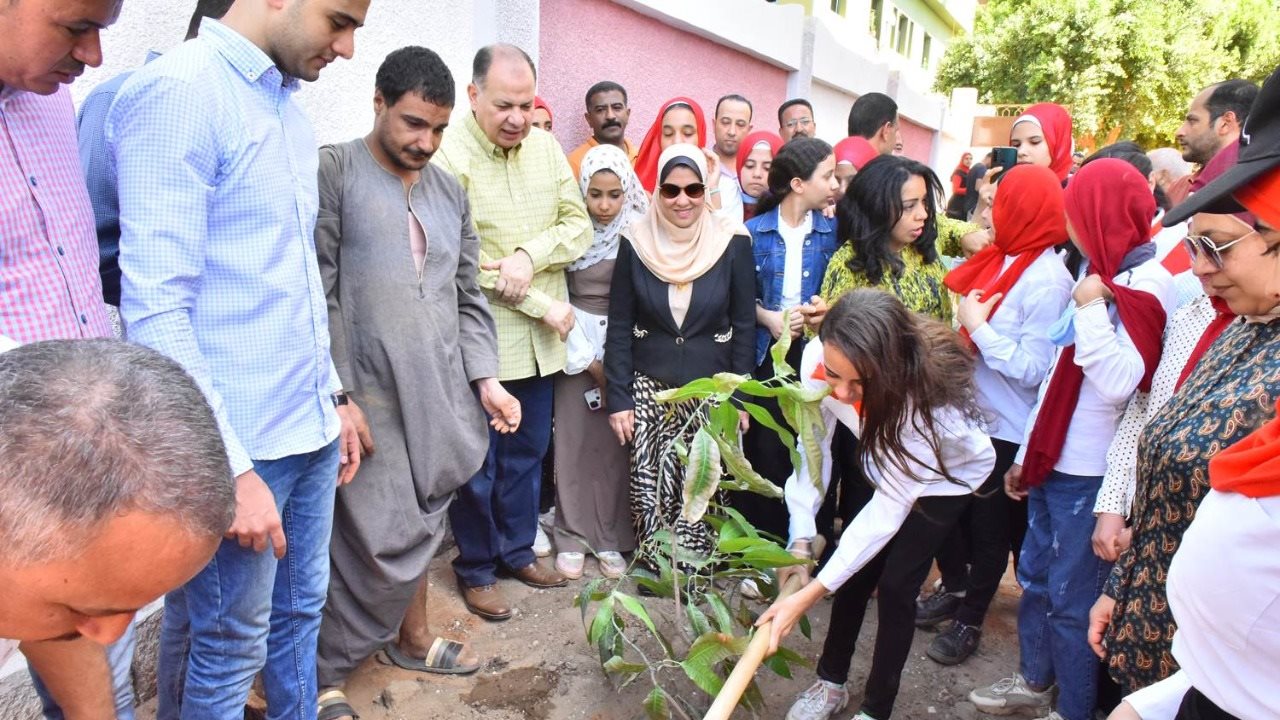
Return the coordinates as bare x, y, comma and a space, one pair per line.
1061, 578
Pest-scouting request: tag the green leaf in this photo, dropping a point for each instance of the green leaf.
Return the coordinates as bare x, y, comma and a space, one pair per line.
738, 465
777, 665
617, 665
782, 347
655, 706
758, 389
584, 598
806, 418
724, 620
763, 417
603, 618
741, 521
806, 628
771, 556
698, 619
724, 420
700, 388
633, 606
742, 544
706, 652
702, 476
726, 382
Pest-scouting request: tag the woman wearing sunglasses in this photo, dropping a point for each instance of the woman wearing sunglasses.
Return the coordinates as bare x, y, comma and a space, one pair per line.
904, 384
1227, 380
682, 306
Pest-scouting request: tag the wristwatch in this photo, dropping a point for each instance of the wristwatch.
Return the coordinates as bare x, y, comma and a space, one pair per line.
340, 398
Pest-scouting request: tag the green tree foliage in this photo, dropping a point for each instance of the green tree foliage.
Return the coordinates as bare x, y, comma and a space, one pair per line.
1128, 64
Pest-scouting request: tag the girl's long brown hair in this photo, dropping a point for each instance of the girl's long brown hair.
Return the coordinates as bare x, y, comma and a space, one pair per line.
912, 367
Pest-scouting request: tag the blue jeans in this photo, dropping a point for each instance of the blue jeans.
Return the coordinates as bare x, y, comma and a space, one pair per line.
1061, 578
495, 515
248, 612
120, 661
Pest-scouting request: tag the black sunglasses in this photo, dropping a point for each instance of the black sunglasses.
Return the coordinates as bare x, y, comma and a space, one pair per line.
693, 190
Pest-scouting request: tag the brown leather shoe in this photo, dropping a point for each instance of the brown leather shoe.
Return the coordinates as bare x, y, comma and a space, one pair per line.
487, 601
534, 575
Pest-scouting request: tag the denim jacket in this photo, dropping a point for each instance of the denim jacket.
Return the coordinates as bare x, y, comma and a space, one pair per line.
771, 259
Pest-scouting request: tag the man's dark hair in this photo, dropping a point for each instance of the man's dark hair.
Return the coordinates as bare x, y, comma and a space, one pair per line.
734, 97
1126, 150
790, 104
870, 113
415, 69
1234, 96
207, 9
604, 86
484, 60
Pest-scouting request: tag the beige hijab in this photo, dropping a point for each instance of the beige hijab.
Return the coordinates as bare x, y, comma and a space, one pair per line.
678, 256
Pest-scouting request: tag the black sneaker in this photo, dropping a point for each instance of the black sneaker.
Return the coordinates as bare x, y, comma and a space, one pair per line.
939, 606
955, 644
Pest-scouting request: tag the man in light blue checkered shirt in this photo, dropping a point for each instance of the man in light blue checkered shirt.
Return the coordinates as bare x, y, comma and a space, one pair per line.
216, 167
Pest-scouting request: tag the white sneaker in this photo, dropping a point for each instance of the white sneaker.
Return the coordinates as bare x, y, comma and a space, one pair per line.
541, 543
862, 716
570, 564
750, 590
1011, 695
822, 700
612, 564
1053, 716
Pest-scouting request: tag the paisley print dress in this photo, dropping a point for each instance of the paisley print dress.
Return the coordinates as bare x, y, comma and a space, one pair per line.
1231, 392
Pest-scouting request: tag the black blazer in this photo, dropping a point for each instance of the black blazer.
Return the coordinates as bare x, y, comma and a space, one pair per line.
718, 334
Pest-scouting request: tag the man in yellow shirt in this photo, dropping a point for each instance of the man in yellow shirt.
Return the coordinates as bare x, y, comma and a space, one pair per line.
607, 114
529, 214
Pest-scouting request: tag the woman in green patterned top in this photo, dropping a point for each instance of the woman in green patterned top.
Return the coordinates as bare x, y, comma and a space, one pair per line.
889, 222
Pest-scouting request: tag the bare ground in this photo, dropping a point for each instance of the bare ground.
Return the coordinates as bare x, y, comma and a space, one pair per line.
539, 666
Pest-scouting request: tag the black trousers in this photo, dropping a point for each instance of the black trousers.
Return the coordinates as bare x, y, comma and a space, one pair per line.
993, 526
897, 571
1195, 706
769, 457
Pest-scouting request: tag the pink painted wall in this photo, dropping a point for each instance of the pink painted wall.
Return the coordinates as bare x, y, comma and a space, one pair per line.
585, 41
917, 140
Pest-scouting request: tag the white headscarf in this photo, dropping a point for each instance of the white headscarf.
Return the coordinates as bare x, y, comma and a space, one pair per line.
634, 202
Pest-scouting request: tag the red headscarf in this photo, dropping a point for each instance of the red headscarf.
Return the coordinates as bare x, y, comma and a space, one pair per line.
856, 151
1055, 125
1110, 206
1028, 217
540, 103
1251, 467
651, 147
750, 142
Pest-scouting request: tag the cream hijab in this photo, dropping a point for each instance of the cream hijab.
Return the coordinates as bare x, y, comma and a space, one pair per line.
676, 255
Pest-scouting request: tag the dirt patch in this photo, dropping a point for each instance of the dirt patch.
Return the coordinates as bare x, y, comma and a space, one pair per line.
539, 666
526, 690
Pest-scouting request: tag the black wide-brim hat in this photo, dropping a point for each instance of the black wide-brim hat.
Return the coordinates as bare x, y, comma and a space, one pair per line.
1259, 152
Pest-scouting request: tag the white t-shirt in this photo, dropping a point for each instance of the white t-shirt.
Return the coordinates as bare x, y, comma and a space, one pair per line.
966, 450
1014, 347
1224, 591
793, 241
1113, 369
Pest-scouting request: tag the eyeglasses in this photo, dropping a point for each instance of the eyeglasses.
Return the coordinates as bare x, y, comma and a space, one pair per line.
1197, 244
671, 192
800, 122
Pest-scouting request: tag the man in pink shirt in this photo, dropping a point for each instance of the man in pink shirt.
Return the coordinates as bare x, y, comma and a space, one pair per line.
49, 285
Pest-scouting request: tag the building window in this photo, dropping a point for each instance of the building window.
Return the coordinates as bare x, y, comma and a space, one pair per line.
927, 49
902, 43
877, 20
837, 7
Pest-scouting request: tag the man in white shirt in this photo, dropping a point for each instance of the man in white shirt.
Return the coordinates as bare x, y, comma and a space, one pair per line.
116, 490
732, 124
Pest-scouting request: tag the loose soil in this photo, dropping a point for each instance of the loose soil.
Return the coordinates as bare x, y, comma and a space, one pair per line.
539, 666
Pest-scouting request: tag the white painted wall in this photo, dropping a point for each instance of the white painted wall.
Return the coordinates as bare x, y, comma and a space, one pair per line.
340, 103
